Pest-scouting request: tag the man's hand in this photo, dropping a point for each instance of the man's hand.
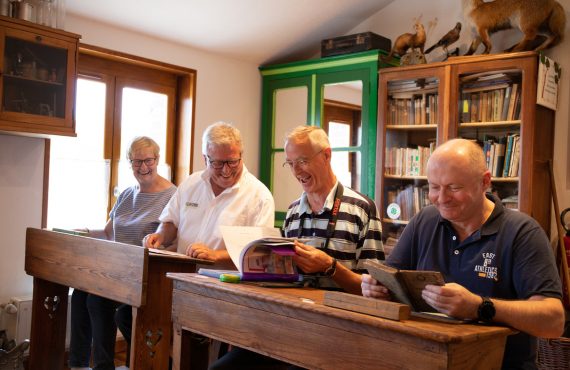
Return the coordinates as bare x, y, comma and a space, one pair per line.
372, 288
152, 240
452, 299
200, 250
310, 259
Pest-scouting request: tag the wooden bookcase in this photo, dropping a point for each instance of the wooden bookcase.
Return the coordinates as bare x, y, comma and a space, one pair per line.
491, 99
37, 80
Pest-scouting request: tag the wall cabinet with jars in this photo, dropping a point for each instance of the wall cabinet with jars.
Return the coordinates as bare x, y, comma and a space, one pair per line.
488, 99
37, 82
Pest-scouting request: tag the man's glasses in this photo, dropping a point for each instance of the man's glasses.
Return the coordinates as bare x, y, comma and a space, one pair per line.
138, 162
218, 165
302, 162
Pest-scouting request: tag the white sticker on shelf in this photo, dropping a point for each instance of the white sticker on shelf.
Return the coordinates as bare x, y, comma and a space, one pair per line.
394, 211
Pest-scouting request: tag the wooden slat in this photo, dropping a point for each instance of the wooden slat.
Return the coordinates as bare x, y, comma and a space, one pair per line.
114, 270
370, 306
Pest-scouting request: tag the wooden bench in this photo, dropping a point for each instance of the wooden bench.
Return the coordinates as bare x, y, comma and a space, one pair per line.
121, 272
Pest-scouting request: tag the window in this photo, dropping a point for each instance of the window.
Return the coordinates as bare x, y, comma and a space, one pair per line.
116, 101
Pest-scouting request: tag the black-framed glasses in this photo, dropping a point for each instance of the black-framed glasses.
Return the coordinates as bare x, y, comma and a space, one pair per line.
138, 162
302, 162
218, 165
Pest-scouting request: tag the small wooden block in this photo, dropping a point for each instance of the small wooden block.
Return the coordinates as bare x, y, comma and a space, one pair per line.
370, 306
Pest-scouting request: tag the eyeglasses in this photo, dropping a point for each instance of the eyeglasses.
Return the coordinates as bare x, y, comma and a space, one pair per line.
302, 162
218, 165
138, 162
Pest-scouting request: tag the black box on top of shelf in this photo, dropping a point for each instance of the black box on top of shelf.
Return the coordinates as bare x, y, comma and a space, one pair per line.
354, 43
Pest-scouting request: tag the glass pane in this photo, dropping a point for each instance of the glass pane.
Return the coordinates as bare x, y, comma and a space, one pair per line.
411, 119
34, 78
346, 167
290, 111
284, 184
78, 170
144, 113
343, 104
489, 114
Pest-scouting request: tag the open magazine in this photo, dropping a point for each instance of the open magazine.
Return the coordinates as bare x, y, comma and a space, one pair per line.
260, 253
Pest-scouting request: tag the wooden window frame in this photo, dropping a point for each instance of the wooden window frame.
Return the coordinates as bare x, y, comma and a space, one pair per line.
180, 137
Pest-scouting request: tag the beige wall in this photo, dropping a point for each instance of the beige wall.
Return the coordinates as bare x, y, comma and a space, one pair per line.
21, 174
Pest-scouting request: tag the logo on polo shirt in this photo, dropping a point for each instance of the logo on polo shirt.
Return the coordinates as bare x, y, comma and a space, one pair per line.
192, 204
487, 270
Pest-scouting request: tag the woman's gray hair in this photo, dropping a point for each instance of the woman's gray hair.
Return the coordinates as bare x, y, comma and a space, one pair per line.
221, 133
141, 142
315, 135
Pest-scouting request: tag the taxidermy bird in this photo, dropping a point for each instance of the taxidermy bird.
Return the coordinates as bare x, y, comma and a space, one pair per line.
448, 39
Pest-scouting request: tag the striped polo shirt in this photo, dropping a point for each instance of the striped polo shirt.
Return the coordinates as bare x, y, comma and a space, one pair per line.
358, 233
135, 214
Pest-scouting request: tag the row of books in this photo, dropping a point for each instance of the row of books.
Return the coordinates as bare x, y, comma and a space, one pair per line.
418, 109
502, 155
411, 199
408, 161
490, 103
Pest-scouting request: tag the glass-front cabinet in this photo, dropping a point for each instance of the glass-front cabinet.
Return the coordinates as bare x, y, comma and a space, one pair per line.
338, 94
411, 123
490, 100
37, 84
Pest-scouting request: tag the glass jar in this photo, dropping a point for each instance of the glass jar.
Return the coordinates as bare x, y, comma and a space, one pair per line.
5, 7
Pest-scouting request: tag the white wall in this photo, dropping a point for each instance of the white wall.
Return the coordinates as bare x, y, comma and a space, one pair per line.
398, 17
21, 186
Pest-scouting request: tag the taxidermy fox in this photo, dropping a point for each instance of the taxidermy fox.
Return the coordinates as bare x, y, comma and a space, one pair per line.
532, 17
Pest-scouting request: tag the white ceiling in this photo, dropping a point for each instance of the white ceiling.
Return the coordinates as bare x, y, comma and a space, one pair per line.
259, 31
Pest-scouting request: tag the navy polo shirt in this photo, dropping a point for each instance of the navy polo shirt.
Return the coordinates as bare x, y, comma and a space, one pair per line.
508, 258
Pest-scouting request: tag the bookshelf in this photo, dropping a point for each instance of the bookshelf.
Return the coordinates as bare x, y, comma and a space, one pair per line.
489, 99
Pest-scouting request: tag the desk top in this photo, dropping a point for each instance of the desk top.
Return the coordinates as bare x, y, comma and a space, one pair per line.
307, 304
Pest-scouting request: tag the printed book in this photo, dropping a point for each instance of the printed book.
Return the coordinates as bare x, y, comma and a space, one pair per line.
260, 253
405, 285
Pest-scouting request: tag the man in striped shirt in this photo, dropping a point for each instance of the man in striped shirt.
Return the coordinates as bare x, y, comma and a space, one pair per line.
342, 224
339, 228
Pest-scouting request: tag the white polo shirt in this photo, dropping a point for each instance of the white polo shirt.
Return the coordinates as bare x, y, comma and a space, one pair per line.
197, 213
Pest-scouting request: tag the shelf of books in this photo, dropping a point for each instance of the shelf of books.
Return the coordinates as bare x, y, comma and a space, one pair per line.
490, 99
409, 127
489, 113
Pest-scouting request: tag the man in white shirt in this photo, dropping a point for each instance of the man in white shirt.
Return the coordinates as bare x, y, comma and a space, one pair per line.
223, 194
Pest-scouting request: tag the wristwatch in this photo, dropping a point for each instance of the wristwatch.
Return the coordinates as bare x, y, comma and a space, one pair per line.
486, 310
331, 269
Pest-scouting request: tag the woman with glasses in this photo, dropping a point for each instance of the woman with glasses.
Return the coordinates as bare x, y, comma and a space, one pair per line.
134, 215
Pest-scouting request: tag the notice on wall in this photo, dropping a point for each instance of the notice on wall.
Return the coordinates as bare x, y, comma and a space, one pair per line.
549, 73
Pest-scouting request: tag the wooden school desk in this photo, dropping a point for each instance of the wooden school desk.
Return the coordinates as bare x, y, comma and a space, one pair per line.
122, 272
293, 325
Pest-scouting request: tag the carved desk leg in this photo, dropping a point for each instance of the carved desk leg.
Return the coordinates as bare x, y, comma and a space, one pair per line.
49, 320
152, 323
